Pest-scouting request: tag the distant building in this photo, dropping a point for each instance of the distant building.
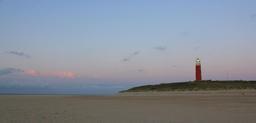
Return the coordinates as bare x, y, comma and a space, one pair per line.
198, 70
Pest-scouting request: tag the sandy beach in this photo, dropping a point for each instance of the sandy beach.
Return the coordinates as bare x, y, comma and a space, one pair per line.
128, 109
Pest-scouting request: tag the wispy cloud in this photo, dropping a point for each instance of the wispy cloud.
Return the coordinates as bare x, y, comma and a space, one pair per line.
131, 56
17, 53
160, 48
196, 48
59, 74
35, 73
64, 74
32, 72
253, 16
140, 70
184, 34
7, 71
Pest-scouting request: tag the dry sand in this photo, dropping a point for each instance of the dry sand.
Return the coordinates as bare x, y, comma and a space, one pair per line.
128, 109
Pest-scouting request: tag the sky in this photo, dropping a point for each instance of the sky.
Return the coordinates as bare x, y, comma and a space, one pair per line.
102, 47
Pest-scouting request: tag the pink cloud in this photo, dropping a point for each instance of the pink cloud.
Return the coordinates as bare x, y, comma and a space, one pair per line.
31, 72
63, 74
59, 74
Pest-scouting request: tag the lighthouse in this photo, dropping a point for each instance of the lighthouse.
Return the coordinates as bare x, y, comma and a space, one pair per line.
198, 70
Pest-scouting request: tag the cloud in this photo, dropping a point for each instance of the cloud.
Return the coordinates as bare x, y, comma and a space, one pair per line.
35, 73
131, 56
58, 74
136, 53
32, 72
253, 16
196, 48
7, 71
125, 60
160, 48
184, 34
16, 53
140, 70
64, 74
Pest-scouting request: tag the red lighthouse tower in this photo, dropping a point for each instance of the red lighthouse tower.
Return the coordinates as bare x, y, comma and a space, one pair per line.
198, 70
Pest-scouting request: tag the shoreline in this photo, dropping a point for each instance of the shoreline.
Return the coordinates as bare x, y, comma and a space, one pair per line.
246, 92
235, 92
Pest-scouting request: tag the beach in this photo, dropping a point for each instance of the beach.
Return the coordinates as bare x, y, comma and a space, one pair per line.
197, 108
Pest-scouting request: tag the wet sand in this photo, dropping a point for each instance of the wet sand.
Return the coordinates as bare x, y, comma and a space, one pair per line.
128, 109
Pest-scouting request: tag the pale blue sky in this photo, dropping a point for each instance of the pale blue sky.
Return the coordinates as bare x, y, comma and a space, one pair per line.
124, 43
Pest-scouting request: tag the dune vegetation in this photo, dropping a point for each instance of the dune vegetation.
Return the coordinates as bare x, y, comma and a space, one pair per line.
196, 86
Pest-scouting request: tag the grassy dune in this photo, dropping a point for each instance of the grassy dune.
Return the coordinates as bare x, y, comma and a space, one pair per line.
196, 86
